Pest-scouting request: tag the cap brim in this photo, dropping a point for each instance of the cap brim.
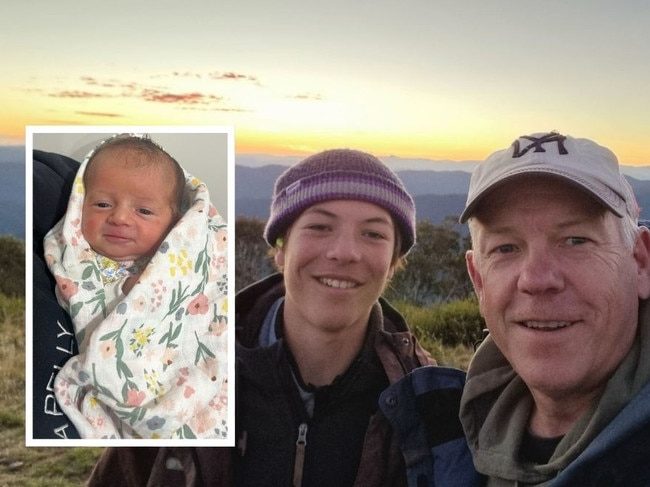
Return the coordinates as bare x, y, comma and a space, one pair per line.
602, 194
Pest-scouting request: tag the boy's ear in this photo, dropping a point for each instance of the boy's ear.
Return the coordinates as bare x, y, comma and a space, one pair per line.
279, 257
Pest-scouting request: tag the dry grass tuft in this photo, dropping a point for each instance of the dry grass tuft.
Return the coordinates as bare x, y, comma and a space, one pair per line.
19, 465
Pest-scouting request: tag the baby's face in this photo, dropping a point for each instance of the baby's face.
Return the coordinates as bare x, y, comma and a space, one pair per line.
127, 208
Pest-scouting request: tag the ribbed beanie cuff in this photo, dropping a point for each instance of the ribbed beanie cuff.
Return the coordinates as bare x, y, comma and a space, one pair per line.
340, 174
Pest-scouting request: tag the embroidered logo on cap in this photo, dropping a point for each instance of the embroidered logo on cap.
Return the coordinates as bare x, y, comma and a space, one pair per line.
537, 143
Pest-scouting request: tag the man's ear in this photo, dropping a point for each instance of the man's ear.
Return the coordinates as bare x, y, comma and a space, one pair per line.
642, 256
474, 274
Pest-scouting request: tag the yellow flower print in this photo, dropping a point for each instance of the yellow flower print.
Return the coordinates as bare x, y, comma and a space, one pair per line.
140, 337
153, 383
79, 185
180, 263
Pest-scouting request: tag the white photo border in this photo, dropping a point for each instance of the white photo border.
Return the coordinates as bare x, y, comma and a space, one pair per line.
30, 131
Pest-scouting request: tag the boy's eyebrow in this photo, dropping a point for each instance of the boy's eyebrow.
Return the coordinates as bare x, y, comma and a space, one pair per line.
322, 211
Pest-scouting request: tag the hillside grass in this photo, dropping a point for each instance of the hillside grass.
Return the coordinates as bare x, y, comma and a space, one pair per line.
70, 466
20, 465
450, 332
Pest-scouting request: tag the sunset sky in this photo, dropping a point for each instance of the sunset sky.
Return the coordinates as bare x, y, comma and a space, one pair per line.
432, 79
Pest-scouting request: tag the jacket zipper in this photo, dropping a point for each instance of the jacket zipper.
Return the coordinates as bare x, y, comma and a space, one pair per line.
301, 446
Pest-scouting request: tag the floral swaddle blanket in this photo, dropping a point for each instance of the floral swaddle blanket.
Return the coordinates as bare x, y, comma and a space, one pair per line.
153, 363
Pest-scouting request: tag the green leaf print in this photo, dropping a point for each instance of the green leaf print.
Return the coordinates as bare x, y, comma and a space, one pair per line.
178, 296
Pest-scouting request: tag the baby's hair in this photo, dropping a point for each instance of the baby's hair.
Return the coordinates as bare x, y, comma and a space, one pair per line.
145, 145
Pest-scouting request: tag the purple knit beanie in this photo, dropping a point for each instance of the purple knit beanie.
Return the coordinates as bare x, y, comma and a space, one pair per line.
340, 174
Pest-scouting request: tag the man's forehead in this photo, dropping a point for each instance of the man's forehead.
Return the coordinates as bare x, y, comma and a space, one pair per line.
539, 188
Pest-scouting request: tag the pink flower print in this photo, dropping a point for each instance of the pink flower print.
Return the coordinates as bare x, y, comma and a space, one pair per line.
187, 393
107, 348
86, 254
140, 304
199, 305
159, 289
210, 366
203, 421
185, 372
222, 240
220, 401
217, 328
67, 288
169, 356
212, 211
50, 259
134, 398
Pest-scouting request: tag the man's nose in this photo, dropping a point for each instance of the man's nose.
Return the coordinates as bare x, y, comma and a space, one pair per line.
540, 272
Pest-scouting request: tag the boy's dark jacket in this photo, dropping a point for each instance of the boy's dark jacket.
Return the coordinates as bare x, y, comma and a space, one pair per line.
416, 423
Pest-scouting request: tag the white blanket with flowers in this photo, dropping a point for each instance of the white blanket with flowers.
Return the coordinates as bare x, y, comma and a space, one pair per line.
153, 363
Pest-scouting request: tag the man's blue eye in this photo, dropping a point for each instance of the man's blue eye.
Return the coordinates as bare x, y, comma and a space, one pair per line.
505, 249
573, 241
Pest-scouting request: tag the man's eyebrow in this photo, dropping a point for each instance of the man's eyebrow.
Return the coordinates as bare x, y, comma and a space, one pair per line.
573, 221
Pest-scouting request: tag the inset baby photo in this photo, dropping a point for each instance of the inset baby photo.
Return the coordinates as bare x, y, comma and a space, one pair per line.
129, 337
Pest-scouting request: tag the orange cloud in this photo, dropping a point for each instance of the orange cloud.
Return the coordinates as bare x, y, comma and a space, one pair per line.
194, 98
198, 99
77, 94
307, 96
232, 76
99, 114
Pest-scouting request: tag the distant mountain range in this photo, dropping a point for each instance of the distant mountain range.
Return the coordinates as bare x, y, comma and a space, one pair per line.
438, 187
12, 191
438, 191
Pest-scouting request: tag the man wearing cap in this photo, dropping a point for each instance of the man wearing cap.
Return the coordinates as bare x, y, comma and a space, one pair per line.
559, 392
330, 381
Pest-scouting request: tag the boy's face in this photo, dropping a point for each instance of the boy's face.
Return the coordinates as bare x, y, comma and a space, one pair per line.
336, 259
128, 205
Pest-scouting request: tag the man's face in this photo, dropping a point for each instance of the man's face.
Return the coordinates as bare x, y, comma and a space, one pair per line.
557, 284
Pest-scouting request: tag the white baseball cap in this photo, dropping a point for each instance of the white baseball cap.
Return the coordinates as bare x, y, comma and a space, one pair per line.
581, 162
